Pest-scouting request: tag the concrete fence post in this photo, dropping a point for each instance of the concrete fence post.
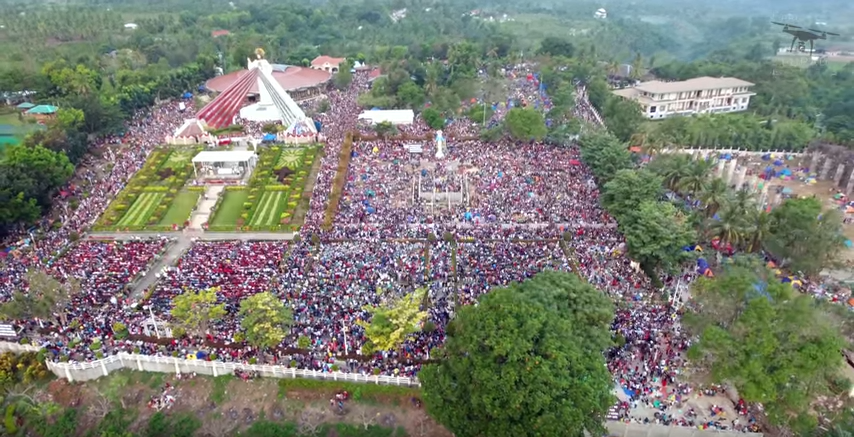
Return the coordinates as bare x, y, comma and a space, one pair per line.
139, 363
214, 366
68, 374
104, 367
177, 367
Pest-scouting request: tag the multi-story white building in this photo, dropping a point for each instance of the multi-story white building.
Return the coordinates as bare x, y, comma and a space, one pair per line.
701, 95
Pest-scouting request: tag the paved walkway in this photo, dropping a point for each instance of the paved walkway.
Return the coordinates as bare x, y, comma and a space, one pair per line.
202, 214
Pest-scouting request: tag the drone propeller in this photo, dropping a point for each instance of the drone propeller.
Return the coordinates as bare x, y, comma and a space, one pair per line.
787, 25
823, 32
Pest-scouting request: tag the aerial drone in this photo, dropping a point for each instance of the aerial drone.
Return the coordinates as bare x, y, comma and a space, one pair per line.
801, 36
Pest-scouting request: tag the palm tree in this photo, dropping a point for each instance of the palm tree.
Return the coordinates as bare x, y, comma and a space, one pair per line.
676, 168
743, 201
637, 67
697, 177
729, 227
759, 227
714, 194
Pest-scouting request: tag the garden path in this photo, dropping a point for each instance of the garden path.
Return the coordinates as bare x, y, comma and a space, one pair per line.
203, 212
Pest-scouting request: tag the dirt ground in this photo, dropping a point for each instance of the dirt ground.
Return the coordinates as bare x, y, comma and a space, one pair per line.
822, 189
227, 405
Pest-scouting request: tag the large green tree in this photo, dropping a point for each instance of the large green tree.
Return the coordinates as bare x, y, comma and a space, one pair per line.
803, 237
526, 361
265, 320
628, 189
525, 124
604, 154
656, 233
773, 344
194, 312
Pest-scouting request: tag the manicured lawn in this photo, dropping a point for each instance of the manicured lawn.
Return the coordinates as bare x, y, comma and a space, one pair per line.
142, 208
229, 209
269, 209
180, 209
10, 118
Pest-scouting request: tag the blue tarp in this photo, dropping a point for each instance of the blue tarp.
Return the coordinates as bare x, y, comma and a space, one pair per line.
188, 95
269, 137
727, 156
318, 125
848, 243
786, 172
629, 393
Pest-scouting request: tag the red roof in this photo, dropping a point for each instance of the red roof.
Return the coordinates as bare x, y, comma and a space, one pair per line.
192, 130
323, 59
375, 73
217, 33
293, 78
220, 111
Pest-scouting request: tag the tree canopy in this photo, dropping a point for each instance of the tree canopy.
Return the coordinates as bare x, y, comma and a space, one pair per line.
526, 361
194, 312
604, 154
391, 322
773, 344
803, 236
525, 124
264, 319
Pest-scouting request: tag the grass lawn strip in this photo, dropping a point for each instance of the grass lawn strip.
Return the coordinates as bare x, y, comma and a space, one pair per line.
142, 214
273, 213
267, 208
180, 209
261, 211
133, 211
141, 209
229, 210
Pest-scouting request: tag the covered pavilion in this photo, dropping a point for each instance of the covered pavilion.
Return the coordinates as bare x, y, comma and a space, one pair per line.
224, 163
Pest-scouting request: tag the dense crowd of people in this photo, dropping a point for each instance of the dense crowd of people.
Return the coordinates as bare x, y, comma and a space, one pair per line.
493, 193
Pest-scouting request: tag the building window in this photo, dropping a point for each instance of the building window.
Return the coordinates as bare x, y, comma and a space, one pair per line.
652, 109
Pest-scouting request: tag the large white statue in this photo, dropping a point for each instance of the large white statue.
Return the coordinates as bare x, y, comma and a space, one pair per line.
440, 145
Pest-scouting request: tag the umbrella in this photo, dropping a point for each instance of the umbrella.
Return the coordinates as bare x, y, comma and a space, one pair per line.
778, 162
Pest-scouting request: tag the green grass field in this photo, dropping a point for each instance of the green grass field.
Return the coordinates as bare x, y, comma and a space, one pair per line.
142, 208
229, 210
269, 208
180, 209
10, 118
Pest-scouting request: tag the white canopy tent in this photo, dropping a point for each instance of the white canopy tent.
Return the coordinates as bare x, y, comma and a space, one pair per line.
393, 116
225, 157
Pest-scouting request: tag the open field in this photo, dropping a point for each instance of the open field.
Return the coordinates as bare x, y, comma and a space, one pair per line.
181, 208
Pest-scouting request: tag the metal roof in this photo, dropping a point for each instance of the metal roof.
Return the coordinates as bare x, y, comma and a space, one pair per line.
695, 84
224, 156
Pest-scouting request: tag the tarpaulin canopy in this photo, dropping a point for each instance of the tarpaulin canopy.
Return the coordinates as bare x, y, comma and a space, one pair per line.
269, 137
574, 162
188, 95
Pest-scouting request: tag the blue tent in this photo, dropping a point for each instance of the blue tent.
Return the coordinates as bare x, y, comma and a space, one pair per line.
786, 172
766, 157
269, 137
848, 244
727, 156
761, 289
778, 163
318, 125
188, 95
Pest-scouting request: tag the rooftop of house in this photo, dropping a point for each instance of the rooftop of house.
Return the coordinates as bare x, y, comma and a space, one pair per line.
695, 84
323, 59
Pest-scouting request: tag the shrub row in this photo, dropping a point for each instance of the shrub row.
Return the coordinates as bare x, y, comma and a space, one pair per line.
339, 181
